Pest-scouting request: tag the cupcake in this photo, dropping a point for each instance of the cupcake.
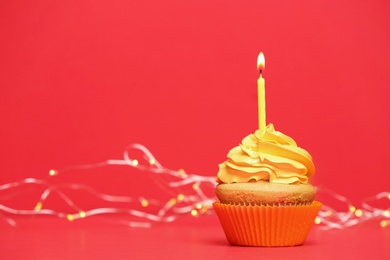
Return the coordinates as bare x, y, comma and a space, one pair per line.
265, 198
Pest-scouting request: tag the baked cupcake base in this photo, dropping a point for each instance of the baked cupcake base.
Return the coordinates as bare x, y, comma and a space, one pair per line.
266, 225
265, 193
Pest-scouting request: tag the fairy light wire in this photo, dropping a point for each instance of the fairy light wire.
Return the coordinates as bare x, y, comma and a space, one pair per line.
187, 192
162, 212
329, 218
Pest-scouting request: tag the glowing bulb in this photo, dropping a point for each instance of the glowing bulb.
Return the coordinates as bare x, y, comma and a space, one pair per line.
388, 196
82, 214
384, 223
329, 213
352, 208
195, 186
180, 197
38, 207
317, 220
203, 210
194, 213
358, 213
135, 162
152, 161
70, 217
198, 206
52, 172
386, 213
172, 201
181, 171
144, 203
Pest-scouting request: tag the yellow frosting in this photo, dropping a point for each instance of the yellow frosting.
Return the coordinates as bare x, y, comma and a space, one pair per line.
267, 155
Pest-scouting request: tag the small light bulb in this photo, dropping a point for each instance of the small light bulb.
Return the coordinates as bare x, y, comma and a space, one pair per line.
198, 206
194, 213
172, 201
70, 217
386, 213
352, 208
38, 207
135, 162
144, 203
152, 161
317, 220
82, 214
203, 210
195, 186
52, 172
358, 213
180, 197
384, 223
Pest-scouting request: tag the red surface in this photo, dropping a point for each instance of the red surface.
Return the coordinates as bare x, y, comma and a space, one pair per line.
203, 238
80, 80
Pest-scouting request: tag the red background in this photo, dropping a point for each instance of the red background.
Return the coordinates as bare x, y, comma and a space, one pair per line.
80, 80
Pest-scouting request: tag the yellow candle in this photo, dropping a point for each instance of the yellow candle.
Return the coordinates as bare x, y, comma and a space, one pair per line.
261, 92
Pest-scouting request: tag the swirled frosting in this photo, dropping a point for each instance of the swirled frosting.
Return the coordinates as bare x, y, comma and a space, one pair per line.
267, 155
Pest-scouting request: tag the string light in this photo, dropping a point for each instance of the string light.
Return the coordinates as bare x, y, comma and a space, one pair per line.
358, 213
195, 186
181, 172
329, 218
38, 206
180, 197
144, 203
172, 202
70, 217
52, 172
194, 213
188, 192
135, 162
160, 212
204, 209
384, 223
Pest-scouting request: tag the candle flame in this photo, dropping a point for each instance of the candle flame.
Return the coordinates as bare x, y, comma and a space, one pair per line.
261, 62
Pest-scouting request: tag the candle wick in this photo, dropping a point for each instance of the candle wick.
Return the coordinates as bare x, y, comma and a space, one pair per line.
261, 72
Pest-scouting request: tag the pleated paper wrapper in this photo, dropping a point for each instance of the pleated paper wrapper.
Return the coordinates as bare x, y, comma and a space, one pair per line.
266, 225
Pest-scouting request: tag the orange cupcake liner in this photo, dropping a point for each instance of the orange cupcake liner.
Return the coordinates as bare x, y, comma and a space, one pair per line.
266, 225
